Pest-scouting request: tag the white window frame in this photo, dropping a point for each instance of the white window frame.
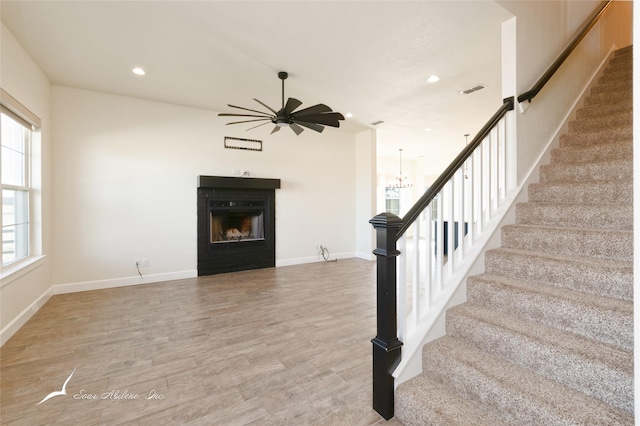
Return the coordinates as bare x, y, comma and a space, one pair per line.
18, 112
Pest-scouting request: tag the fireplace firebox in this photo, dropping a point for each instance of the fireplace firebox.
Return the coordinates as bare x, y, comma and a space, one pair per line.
236, 221
236, 224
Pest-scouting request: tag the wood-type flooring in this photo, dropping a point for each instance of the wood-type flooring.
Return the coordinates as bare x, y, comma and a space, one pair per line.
277, 346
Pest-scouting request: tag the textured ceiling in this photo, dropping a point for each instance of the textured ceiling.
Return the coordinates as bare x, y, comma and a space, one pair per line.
368, 58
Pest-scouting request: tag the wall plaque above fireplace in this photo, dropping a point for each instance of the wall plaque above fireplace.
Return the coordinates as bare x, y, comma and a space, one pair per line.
236, 223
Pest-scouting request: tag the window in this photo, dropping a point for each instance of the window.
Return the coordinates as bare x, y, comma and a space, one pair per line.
392, 200
15, 143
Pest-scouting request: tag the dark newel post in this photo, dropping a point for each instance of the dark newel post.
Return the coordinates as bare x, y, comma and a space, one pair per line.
386, 346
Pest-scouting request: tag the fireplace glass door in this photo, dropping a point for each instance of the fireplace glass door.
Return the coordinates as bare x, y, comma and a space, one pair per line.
234, 221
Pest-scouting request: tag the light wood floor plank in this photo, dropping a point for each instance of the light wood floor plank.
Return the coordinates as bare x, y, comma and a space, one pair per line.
278, 346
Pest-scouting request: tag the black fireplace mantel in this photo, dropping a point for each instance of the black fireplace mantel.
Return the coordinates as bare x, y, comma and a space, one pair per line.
222, 201
237, 182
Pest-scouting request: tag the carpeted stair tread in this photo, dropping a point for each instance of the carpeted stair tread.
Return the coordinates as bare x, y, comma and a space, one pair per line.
604, 110
597, 317
599, 170
593, 153
516, 394
581, 242
582, 192
623, 51
615, 78
613, 85
607, 121
586, 365
610, 96
427, 402
596, 137
602, 277
603, 216
618, 67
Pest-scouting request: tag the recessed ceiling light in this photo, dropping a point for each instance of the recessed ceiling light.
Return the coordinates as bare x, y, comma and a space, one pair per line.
348, 115
433, 79
138, 71
427, 129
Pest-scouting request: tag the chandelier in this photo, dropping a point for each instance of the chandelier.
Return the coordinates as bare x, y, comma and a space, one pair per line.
401, 181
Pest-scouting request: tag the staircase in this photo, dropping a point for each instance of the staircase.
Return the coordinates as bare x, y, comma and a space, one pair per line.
546, 336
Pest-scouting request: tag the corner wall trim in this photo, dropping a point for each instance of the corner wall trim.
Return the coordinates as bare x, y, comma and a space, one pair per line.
23, 317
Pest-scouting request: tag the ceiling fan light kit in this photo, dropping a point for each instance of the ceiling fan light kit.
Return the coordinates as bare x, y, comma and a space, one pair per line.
314, 117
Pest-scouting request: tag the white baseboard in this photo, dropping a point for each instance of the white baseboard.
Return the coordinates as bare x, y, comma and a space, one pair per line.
24, 316
312, 259
366, 256
122, 282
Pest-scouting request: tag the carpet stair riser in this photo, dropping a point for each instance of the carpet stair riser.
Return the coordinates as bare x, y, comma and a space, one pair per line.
586, 243
515, 394
595, 123
613, 85
603, 216
593, 153
624, 134
600, 277
621, 66
603, 319
551, 353
608, 97
582, 192
446, 408
602, 171
605, 109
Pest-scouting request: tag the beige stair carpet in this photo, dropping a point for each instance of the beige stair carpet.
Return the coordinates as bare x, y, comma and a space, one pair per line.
546, 336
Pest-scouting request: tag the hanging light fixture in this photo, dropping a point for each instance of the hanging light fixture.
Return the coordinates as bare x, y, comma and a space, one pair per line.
402, 181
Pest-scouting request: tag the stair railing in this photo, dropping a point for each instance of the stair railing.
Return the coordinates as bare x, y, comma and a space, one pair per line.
417, 277
433, 236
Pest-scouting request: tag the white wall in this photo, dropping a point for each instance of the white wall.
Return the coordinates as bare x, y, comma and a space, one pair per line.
543, 30
125, 175
22, 79
366, 187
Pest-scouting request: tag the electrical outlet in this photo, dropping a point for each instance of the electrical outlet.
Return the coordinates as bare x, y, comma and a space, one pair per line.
145, 263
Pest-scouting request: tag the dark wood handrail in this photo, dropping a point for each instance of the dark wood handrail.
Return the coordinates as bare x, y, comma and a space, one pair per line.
592, 20
458, 162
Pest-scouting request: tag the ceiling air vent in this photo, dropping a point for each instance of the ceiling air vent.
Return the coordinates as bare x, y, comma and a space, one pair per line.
473, 89
375, 123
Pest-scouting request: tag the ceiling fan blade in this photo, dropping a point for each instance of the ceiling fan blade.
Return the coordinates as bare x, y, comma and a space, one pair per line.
316, 109
275, 129
228, 114
249, 121
266, 106
248, 109
297, 129
251, 128
312, 126
292, 104
329, 119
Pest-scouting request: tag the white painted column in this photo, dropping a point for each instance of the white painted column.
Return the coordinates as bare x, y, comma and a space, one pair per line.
366, 185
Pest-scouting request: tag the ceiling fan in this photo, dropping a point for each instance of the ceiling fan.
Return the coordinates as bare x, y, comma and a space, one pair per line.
314, 117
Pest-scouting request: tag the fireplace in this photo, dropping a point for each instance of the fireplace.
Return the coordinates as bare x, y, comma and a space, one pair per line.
233, 221
236, 224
